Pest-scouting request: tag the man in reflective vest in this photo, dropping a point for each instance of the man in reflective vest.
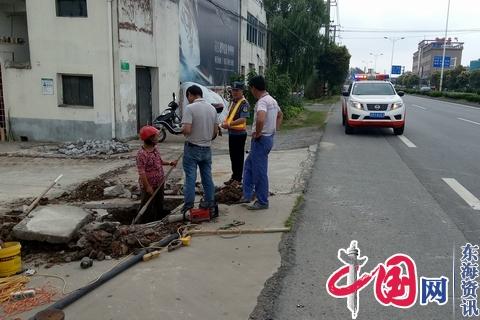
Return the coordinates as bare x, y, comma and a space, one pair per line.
236, 123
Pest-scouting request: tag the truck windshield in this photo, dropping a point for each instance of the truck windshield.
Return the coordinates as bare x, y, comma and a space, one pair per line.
363, 89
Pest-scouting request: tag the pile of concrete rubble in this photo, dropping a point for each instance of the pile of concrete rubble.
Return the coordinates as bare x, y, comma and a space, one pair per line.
102, 239
93, 147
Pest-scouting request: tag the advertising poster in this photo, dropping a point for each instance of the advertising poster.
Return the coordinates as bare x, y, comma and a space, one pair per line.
209, 41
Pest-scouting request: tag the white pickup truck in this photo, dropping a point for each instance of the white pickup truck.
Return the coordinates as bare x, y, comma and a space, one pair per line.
373, 104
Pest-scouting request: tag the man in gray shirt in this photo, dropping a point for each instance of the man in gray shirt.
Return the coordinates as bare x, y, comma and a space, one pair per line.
200, 128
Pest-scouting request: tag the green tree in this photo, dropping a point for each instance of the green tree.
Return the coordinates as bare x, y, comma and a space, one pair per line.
332, 66
279, 86
463, 81
401, 79
451, 76
295, 36
408, 79
435, 79
412, 80
475, 80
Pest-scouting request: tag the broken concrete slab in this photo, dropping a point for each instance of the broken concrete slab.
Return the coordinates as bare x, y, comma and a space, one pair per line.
53, 224
127, 194
112, 204
114, 191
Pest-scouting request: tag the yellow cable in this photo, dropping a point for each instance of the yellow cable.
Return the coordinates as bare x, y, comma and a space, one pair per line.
10, 285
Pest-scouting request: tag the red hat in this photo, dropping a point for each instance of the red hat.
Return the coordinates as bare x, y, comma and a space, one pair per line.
147, 131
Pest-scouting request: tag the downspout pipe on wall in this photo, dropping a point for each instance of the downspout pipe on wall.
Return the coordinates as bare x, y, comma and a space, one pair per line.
112, 66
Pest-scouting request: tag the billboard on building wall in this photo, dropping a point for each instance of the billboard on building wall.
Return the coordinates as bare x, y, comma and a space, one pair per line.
437, 62
209, 40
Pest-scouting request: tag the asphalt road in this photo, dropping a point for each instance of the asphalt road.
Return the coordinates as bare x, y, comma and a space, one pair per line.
417, 196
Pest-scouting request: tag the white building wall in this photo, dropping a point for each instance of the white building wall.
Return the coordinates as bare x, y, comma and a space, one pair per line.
249, 52
61, 45
141, 32
148, 37
13, 51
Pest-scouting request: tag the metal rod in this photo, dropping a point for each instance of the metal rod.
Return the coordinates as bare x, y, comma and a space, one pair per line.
236, 231
37, 200
145, 206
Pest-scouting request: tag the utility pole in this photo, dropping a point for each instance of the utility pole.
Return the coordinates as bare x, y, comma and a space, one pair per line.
376, 55
393, 50
269, 48
327, 27
327, 41
444, 47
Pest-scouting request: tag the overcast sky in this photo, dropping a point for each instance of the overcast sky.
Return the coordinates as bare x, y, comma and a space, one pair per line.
404, 15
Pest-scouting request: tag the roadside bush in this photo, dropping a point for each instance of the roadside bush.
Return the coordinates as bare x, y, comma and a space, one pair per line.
279, 86
291, 112
471, 97
411, 91
435, 94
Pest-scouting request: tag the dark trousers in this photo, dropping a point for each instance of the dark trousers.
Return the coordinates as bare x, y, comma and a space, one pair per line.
155, 209
236, 146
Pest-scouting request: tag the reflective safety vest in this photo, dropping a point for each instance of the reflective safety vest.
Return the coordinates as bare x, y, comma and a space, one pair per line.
232, 113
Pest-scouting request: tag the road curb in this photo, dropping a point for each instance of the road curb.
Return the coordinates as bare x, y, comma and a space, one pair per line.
266, 300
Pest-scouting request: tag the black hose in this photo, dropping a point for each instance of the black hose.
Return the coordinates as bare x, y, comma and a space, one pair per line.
77, 294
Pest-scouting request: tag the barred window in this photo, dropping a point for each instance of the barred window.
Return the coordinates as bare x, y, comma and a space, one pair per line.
71, 8
261, 35
252, 29
77, 90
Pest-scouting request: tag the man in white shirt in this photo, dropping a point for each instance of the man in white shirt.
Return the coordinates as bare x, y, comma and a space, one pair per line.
267, 119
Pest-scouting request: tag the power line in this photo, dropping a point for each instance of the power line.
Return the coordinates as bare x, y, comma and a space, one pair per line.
406, 31
407, 37
265, 28
338, 13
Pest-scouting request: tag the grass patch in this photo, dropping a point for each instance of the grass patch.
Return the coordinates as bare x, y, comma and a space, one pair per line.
296, 208
306, 119
323, 100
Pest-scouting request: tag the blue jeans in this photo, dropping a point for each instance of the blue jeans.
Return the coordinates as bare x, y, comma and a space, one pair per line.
255, 174
194, 156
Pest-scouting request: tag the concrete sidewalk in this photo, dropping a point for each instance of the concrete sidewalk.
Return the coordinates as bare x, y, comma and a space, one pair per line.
26, 171
214, 278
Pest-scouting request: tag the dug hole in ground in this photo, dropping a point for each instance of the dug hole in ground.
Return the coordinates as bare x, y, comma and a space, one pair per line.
213, 278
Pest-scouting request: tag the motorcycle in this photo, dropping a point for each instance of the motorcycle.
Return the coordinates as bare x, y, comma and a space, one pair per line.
169, 121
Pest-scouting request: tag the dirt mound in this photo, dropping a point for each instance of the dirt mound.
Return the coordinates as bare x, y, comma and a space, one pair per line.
229, 194
88, 191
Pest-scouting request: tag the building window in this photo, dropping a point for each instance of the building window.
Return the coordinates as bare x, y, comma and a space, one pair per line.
252, 29
261, 35
251, 67
77, 90
71, 8
242, 70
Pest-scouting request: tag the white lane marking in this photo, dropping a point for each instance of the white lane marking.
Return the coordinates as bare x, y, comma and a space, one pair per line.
466, 195
414, 105
452, 103
405, 140
469, 121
